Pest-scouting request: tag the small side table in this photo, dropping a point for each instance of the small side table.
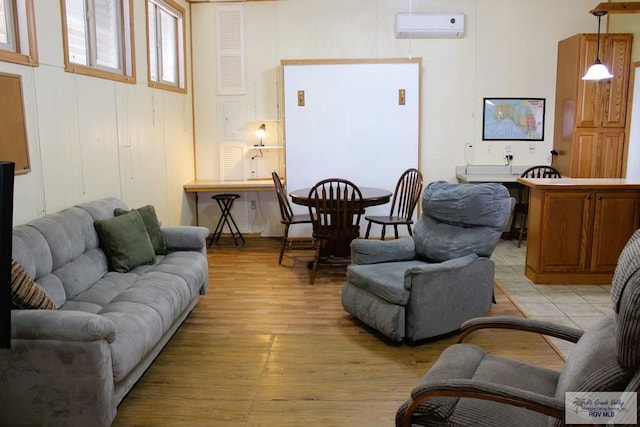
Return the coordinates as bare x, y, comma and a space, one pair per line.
225, 201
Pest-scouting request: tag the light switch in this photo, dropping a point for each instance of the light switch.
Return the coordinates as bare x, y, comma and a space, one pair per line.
402, 100
300, 98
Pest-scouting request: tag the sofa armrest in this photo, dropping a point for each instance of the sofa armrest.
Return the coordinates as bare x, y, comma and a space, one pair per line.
59, 369
62, 325
185, 237
365, 251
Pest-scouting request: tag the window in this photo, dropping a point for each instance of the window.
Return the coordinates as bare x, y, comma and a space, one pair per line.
17, 32
166, 45
98, 39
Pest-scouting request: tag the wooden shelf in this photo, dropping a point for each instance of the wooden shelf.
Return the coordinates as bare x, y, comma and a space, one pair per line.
624, 7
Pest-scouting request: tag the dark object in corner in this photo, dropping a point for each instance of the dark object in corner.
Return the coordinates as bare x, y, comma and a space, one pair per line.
7, 170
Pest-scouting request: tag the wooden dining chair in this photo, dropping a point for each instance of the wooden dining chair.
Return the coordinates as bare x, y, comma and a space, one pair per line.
288, 218
335, 213
521, 208
404, 202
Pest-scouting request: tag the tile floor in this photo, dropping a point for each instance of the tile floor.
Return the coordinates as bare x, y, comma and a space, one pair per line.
572, 305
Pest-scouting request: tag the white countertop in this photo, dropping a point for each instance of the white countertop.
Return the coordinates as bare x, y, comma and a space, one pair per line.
489, 173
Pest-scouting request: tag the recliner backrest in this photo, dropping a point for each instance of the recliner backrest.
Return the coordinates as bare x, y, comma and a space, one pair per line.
607, 355
625, 296
461, 219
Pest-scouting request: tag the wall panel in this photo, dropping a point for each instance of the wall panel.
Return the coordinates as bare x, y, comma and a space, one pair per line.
351, 124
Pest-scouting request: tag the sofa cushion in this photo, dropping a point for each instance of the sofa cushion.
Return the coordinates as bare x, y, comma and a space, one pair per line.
61, 253
125, 241
150, 219
25, 293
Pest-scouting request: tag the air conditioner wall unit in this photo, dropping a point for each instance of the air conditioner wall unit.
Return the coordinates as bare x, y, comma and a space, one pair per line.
429, 25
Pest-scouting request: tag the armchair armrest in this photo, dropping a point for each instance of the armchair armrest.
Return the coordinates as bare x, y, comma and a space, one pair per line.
486, 391
566, 333
185, 237
432, 287
438, 267
365, 251
62, 325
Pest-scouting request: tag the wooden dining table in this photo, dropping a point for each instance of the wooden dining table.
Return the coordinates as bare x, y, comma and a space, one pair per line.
371, 196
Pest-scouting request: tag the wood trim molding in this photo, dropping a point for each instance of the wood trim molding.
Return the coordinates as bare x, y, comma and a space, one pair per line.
623, 7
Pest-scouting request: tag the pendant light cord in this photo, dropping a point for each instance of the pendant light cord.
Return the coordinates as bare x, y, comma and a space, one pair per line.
598, 42
599, 14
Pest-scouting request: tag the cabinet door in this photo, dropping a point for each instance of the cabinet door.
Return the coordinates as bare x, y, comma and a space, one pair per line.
614, 91
566, 231
608, 158
604, 103
616, 217
598, 153
585, 151
588, 102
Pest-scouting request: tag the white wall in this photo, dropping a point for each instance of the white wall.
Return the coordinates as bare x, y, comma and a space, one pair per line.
91, 138
509, 50
628, 23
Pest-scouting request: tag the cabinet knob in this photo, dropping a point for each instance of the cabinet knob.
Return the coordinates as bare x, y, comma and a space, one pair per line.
589, 197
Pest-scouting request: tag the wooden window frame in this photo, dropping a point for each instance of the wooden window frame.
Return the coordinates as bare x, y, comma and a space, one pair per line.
127, 50
181, 85
17, 56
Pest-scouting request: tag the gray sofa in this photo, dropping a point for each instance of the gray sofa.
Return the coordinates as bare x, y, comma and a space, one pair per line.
74, 365
427, 285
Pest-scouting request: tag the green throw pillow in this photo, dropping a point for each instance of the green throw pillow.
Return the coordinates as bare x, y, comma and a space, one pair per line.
148, 214
125, 241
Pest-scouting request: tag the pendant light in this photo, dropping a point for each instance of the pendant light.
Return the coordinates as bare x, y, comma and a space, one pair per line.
598, 71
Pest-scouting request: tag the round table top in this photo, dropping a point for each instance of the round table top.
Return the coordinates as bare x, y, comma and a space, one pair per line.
371, 196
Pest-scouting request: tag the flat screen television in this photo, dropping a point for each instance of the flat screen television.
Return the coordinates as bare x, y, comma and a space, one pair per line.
6, 231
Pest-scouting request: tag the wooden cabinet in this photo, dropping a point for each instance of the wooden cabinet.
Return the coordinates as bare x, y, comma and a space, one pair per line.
590, 116
578, 227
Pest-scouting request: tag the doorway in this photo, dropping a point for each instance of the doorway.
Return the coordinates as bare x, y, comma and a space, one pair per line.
633, 152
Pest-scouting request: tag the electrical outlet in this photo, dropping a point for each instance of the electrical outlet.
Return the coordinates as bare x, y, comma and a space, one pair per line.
508, 152
253, 205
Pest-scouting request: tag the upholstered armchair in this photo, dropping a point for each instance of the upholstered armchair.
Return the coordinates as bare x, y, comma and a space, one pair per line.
429, 284
468, 386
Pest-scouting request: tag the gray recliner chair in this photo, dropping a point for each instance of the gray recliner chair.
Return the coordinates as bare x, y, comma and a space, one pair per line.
469, 387
429, 284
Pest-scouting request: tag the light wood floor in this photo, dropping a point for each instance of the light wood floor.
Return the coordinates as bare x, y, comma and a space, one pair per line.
265, 348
